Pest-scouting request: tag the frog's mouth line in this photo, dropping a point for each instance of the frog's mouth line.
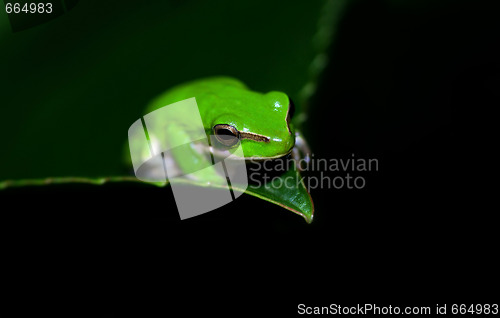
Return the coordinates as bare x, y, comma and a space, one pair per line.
224, 153
268, 158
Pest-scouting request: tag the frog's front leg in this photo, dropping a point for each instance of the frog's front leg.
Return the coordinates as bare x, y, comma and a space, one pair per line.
301, 150
191, 159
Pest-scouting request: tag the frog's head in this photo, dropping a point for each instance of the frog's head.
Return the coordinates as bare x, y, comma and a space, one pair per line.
262, 123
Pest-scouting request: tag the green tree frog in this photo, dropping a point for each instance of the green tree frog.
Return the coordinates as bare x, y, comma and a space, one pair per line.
230, 111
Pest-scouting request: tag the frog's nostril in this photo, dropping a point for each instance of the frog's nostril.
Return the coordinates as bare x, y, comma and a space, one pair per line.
288, 121
289, 115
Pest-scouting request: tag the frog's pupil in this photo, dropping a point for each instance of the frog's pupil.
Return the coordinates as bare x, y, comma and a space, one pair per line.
225, 134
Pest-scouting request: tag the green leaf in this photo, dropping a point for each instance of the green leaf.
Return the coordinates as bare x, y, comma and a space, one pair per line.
296, 199
287, 190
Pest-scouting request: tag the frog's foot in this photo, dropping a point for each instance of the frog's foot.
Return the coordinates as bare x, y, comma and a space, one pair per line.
301, 152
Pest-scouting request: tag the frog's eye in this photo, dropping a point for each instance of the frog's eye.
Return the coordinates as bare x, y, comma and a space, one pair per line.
226, 134
291, 110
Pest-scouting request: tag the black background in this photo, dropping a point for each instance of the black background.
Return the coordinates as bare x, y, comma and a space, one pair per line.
416, 88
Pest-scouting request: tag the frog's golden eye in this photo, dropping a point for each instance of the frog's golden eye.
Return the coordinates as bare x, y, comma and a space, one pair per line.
226, 134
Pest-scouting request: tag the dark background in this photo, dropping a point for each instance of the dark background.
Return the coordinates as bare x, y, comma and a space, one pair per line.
416, 88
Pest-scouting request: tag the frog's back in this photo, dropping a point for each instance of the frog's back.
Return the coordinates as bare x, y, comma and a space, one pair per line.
197, 88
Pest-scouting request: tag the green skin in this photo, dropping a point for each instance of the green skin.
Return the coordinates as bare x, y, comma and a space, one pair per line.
224, 100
